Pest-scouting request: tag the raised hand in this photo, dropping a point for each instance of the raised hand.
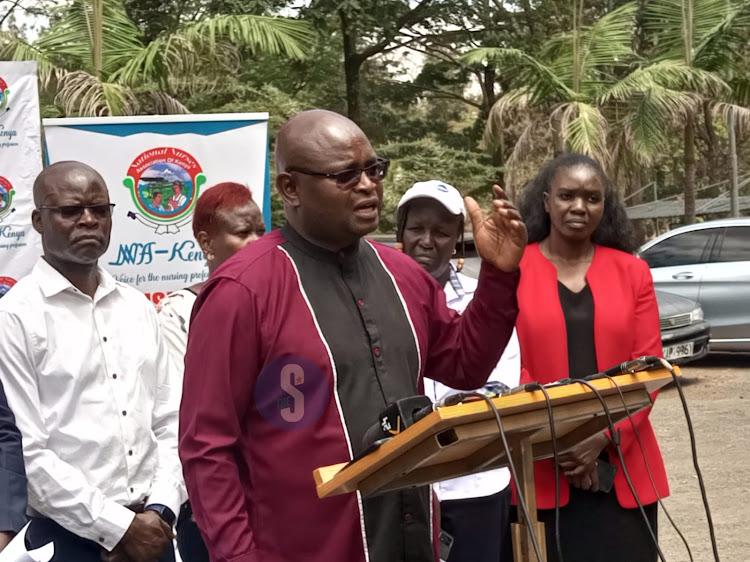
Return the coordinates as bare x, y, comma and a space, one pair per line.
501, 237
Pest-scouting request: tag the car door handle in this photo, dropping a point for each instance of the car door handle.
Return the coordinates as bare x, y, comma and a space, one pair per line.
683, 275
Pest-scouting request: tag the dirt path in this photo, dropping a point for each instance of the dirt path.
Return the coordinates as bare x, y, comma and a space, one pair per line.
718, 395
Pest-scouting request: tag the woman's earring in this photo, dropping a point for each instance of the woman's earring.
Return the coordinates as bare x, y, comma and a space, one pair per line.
210, 256
454, 251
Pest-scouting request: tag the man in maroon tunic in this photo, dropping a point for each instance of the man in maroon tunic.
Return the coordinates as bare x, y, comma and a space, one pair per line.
300, 340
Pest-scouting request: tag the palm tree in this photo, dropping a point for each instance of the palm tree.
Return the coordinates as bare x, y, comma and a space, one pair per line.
704, 35
573, 91
94, 60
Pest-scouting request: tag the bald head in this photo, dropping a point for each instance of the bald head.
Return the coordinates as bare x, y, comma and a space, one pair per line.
56, 175
307, 138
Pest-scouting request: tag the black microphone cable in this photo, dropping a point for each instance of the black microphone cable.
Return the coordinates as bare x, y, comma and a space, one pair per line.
555, 456
616, 442
648, 467
694, 451
511, 465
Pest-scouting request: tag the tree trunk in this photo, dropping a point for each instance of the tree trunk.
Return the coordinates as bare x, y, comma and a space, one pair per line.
352, 66
558, 142
712, 163
734, 182
489, 99
690, 169
634, 185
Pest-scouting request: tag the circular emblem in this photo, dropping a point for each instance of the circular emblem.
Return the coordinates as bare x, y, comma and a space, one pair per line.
164, 183
291, 393
4, 95
6, 196
5, 284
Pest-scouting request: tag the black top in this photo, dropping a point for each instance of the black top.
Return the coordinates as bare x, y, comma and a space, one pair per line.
346, 290
578, 309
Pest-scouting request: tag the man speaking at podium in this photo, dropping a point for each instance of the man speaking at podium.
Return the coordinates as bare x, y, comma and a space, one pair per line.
301, 339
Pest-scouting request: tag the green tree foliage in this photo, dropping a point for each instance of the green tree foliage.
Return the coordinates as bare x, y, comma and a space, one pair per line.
94, 56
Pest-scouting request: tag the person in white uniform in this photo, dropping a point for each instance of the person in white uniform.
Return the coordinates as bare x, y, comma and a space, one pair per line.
474, 509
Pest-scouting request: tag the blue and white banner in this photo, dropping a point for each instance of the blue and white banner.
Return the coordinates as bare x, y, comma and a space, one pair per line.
20, 162
156, 168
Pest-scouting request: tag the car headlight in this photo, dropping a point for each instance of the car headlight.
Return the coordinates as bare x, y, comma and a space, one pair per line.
696, 315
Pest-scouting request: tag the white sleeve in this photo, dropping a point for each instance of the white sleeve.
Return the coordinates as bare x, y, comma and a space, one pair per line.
168, 486
56, 489
508, 369
174, 329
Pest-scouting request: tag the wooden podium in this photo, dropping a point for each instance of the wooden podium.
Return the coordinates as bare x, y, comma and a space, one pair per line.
464, 439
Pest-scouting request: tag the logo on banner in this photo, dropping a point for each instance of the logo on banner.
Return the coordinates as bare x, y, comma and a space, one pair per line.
4, 94
5, 284
6, 198
164, 183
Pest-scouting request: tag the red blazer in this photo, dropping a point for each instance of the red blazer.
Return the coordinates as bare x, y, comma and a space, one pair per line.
626, 326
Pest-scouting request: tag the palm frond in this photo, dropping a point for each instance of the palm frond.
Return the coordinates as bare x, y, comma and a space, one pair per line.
741, 114
542, 82
666, 74
717, 50
524, 145
608, 43
71, 38
680, 26
163, 104
514, 103
270, 35
81, 94
15, 48
584, 129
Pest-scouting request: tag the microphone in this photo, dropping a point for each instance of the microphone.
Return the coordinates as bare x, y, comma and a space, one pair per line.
395, 418
404, 413
628, 367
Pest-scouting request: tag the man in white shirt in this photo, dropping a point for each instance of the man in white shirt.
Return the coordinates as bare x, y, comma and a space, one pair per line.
474, 509
96, 398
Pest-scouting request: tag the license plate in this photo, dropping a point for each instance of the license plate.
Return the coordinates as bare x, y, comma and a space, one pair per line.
678, 351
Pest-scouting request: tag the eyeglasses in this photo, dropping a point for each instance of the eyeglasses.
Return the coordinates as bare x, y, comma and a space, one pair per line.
75, 212
347, 179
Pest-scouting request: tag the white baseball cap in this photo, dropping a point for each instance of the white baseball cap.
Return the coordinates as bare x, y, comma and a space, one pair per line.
440, 191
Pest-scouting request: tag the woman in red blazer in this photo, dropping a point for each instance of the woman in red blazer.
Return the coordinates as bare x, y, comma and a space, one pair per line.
587, 304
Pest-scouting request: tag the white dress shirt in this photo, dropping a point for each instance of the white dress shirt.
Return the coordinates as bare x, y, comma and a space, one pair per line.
96, 398
459, 290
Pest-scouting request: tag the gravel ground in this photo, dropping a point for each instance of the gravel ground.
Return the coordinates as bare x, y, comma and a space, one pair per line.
717, 390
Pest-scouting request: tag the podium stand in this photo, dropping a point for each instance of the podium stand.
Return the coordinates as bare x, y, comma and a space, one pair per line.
464, 439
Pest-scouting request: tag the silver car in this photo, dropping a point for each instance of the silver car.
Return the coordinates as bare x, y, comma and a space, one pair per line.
709, 263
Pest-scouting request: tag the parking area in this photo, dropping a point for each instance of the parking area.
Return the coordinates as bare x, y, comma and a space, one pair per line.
718, 395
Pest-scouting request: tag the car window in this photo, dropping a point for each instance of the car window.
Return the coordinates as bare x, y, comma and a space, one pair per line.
683, 249
735, 245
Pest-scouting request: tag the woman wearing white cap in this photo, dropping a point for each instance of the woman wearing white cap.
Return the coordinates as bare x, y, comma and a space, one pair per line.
474, 509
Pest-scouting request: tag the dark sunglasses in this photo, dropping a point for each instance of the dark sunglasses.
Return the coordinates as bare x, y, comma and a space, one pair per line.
347, 179
75, 212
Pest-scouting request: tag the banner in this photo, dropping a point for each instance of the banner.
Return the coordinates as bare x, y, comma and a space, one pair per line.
156, 168
20, 162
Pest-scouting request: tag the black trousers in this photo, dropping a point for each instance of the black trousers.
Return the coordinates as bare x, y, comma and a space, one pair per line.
595, 528
189, 540
479, 526
69, 547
